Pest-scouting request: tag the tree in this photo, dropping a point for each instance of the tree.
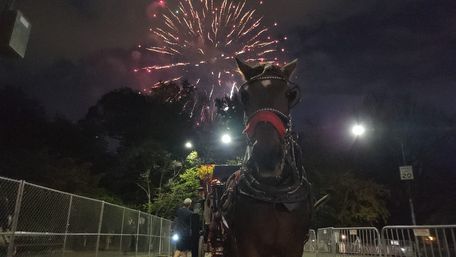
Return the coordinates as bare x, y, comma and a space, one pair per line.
54, 153
146, 133
184, 186
353, 202
131, 118
427, 137
170, 169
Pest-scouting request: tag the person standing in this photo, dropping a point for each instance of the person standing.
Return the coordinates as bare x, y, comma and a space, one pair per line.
195, 236
182, 227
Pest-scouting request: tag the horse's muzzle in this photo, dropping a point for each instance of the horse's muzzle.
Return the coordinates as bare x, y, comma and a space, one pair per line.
265, 116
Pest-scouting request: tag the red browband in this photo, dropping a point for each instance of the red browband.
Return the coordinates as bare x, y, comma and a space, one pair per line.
265, 116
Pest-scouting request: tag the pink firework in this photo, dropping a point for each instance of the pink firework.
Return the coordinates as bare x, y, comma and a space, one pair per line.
199, 39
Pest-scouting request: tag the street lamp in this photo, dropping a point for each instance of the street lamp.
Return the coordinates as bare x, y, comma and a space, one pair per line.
189, 145
226, 139
358, 130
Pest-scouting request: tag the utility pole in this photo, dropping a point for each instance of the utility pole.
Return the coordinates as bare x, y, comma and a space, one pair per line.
407, 175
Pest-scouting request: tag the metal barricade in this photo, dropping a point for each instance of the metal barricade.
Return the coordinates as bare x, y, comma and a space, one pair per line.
356, 241
39, 221
351, 241
419, 241
324, 242
310, 248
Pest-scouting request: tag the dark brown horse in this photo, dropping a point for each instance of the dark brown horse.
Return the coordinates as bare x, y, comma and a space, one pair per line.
267, 205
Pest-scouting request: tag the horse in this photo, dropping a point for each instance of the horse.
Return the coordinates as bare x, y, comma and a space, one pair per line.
267, 205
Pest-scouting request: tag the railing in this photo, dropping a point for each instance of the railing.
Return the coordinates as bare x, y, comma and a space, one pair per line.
310, 248
39, 221
393, 241
420, 241
356, 241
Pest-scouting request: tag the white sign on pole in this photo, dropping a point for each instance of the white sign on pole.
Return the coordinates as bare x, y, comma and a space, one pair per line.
406, 172
421, 232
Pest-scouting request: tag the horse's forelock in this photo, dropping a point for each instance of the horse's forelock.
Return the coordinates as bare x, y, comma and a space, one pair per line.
268, 70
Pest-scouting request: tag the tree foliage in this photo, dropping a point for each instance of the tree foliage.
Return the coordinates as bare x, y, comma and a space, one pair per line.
184, 186
354, 202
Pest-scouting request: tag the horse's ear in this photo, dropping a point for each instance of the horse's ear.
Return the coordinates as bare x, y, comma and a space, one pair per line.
288, 69
246, 70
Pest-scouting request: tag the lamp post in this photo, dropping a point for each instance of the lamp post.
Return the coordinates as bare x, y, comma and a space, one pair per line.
406, 171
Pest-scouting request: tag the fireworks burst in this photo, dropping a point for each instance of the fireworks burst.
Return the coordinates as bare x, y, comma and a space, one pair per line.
200, 38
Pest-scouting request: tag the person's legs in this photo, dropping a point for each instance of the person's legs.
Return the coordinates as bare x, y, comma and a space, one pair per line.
187, 246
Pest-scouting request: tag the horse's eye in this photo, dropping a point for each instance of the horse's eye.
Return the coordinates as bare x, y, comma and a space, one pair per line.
291, 95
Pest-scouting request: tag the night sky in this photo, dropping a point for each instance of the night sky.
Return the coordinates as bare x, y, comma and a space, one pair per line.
346, 49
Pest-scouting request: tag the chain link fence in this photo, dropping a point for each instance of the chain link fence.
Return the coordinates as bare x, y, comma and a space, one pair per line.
42, 222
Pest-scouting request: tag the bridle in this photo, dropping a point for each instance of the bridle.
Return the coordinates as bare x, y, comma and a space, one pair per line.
283, 124
270, 114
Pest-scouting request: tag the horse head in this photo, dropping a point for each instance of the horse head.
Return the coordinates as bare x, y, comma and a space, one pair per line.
267, 97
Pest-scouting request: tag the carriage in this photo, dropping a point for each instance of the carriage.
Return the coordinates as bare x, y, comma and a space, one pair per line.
212, 188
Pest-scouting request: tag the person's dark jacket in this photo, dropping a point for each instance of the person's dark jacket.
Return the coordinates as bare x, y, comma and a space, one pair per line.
182, 222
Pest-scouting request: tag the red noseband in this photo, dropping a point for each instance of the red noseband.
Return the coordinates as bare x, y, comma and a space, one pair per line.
265, 116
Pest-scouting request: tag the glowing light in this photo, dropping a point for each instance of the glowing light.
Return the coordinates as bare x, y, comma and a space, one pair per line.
198, 40
175, 237
189, 145
358, 130
226, 139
